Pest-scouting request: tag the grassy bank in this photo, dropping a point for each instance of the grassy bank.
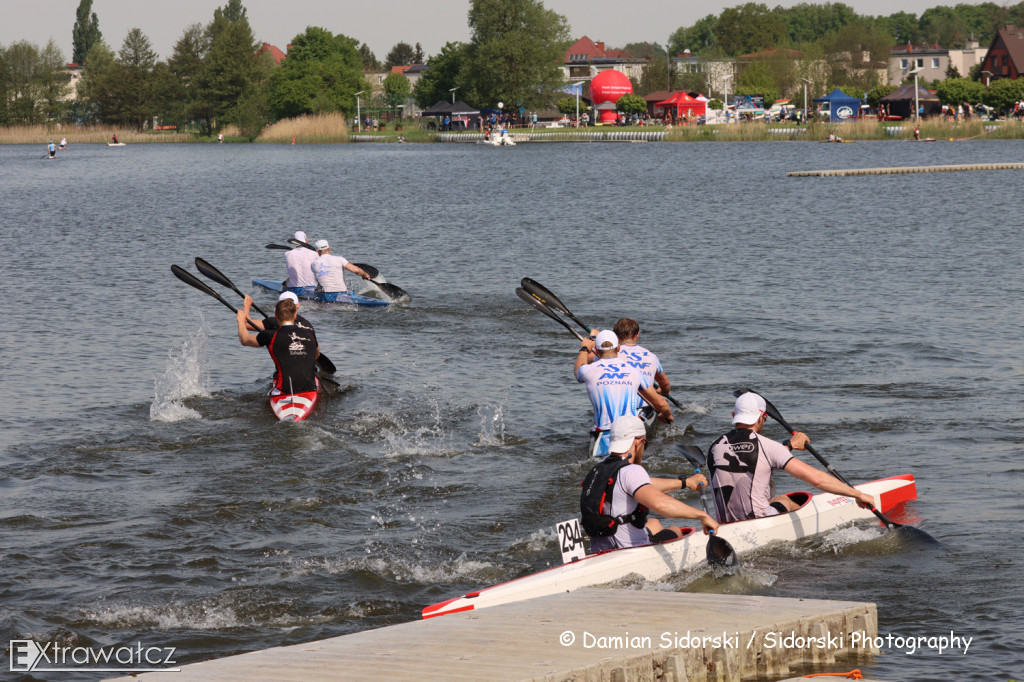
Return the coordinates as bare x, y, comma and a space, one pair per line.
41, 134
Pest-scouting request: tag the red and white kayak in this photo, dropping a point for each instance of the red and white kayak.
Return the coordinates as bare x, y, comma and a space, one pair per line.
819, 513
293, 406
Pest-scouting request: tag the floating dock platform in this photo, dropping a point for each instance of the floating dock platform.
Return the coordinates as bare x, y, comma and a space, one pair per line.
904, 170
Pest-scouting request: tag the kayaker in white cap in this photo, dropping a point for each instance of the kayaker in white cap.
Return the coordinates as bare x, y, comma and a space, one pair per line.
293, 349
633, 494
298, 261
271, 323
611, 385
741, 464
329, 270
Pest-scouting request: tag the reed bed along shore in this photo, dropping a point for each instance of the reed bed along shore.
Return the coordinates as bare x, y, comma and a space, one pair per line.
314, 128
75, 134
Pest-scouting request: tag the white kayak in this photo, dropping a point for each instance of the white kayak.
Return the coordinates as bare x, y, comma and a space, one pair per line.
820, 513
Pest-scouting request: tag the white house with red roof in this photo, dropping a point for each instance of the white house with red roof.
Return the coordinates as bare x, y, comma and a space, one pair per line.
586, 58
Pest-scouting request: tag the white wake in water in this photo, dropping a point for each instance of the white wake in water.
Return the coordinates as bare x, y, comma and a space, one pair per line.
184, 377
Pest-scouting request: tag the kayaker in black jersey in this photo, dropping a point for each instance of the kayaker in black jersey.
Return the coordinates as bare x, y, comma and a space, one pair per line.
633, 487
293, 348
271, 323
741, 464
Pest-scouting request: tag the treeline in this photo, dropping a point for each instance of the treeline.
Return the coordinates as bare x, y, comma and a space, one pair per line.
217, 75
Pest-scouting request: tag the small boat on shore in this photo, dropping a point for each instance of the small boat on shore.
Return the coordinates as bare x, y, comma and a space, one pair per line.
311, 294
817, 514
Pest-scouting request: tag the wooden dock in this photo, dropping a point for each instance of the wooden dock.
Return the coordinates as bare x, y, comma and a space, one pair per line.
589, 634
904, 170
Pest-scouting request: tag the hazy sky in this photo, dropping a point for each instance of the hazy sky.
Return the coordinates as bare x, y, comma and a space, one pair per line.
378, 24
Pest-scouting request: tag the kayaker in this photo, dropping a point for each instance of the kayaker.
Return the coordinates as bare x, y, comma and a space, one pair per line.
329, 269
52, 149
741, 464
611, 384
638, 357
293, 349
299, 261
633, 487
271, 323
63, 143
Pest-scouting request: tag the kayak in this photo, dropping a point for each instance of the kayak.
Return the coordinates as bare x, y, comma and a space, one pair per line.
115, 144
311, 294
818, 514
293, 406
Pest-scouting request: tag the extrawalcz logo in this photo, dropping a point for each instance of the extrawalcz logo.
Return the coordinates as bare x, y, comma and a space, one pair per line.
28, 656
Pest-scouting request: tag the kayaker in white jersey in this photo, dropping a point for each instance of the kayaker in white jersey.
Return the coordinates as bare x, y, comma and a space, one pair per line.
299, 261
638, 357
741, 464
634, 487
611, 385
329, 270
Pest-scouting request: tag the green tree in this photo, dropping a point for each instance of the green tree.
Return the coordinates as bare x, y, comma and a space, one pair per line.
34, 83
756, 79
876, 94
516, 52
657, 74
566, 105
136, 60
441, 75
99, 93
750, 28
903, 28
1003, 93
86, 32
698, 39
631, 104
954, 91
401, 54
370, 62
230, 67
645, 50
418, 56
397, 89
807, 23
173, 80
322, 73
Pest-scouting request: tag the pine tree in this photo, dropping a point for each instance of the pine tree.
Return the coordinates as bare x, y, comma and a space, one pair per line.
86, 32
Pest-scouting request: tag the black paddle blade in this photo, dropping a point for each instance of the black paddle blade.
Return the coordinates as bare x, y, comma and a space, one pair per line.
296, 242
325, 364
193, 281
220, 278
541, 306
544, 294
693, 453
394, 292
720, 553
279, 247
373, 272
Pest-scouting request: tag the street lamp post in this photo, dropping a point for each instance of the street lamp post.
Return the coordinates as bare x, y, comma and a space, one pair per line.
725, 94
452, 90
806, 83
359, 121
988, 77
917, 106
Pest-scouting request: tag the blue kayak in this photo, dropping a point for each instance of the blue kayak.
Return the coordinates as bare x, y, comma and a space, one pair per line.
311, 294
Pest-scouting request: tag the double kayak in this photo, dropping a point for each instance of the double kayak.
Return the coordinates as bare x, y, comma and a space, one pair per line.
311, 294
817, 514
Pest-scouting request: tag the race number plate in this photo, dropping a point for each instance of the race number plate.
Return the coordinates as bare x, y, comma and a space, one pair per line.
570, 540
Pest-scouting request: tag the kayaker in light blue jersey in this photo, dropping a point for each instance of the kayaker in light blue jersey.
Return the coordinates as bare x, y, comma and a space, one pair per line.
52, 149
639, 358
611, 385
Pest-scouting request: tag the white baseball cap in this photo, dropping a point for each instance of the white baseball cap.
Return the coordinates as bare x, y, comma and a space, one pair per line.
748, 409
289, 296
322, 245
606, 340
624, 430
301, 236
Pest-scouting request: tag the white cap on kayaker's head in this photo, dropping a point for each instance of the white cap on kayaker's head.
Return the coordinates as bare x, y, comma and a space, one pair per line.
624, 430
289, 296
748, 409
301, 236
322, 245
606, 340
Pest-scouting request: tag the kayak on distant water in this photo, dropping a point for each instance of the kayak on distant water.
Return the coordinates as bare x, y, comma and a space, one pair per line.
311, 294
817, 514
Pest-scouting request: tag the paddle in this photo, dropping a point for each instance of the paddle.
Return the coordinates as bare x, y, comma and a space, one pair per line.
719, 551
220, 278
545, 295
280, 247
777, 416
541, 306
296, 242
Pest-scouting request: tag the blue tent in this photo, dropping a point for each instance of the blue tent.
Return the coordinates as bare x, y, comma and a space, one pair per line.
841, 107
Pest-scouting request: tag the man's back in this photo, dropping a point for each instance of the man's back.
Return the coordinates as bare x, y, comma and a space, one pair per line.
299, 261
611, 386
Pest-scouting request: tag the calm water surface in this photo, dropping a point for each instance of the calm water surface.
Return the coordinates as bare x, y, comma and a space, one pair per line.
148, 493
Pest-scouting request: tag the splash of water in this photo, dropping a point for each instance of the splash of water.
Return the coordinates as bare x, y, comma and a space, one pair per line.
184, 377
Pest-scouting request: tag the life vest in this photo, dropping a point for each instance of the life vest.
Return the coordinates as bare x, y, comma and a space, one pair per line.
597, 490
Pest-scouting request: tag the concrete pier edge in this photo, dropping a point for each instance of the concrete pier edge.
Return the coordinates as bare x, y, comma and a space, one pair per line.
905, 169
586, 635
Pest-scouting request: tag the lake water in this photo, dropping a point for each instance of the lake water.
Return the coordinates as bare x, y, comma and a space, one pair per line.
149, 495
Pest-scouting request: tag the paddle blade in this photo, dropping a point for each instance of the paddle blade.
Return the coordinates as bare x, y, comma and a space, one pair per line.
544, 294
693, 453
296, 242
373, 272
213, 273
279, 247
193, 281
720, 553
541, 306
396, 293
325, 364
